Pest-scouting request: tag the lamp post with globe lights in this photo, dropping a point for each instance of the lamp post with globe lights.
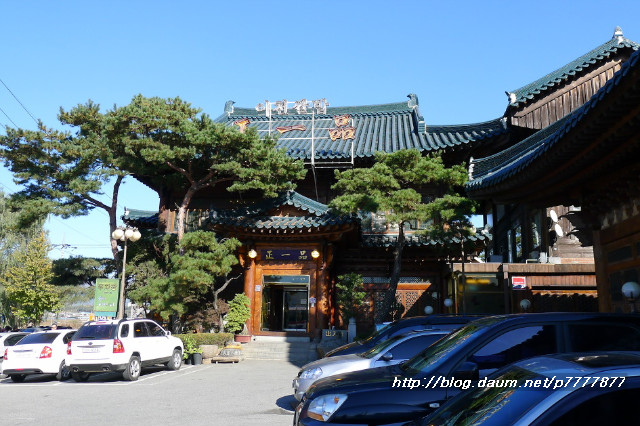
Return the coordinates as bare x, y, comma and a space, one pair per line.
631, 290
124, 234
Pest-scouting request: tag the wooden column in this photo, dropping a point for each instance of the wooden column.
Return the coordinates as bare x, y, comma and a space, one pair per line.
249, 288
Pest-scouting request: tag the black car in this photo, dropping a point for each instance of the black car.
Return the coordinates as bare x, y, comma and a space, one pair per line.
402, 326
584, 389
417, 387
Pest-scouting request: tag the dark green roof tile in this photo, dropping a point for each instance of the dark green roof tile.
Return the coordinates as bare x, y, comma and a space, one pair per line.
498, 168
588, 60
387, 128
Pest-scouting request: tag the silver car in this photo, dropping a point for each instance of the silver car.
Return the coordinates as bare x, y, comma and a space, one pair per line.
388, 352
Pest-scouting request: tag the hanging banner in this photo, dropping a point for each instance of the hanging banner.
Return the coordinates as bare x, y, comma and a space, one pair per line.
105, 303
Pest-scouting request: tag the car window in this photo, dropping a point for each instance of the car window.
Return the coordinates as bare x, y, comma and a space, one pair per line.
598, 410
38, 338
409, 348
68, 337
12, 340
140, 330
514, 345
155, 329
603, 337
124, 331
95, 332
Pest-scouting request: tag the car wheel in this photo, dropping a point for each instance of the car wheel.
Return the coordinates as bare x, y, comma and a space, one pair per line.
80, 376
18, 378
176, 360
63, 373
132, 372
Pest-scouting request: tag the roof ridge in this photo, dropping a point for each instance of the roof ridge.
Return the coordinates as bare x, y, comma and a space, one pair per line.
529, 91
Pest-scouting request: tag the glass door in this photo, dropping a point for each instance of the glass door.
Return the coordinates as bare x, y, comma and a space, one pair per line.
295, 304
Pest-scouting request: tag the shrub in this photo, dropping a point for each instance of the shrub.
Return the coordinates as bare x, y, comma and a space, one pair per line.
239, 313
198, 339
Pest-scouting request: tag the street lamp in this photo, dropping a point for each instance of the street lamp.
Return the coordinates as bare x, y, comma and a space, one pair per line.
124, 234
631, 290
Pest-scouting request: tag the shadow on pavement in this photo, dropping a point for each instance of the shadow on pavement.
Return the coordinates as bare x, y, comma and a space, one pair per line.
288, 403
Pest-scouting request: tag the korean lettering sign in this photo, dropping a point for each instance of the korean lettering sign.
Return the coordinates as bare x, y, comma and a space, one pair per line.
302, 254
105, 303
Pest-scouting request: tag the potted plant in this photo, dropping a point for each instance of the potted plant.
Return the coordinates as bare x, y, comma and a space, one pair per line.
192, 352
239, 313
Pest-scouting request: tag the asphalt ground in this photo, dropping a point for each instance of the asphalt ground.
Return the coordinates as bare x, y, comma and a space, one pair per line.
251, 392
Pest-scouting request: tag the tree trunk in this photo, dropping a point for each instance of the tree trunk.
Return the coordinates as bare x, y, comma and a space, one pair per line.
112, 211
182, 212
390, 295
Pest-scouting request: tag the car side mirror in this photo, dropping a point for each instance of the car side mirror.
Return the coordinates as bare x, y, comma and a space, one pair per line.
167, 333
467, 371
387, 357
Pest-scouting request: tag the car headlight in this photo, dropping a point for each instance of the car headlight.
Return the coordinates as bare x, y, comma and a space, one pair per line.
323, 407
314, 373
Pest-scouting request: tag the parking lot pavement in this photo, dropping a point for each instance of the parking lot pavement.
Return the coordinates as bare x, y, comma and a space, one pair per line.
251, 392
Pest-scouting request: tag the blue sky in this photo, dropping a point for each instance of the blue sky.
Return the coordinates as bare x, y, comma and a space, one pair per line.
458, 57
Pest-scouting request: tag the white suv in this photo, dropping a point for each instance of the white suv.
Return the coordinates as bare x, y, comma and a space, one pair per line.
121, 345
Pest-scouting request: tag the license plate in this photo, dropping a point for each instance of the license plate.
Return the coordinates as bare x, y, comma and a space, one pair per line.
90, 350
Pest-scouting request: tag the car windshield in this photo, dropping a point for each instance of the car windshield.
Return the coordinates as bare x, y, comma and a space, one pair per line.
38, 338
379, 333
96, 332
381, 347
501, 400
430, 357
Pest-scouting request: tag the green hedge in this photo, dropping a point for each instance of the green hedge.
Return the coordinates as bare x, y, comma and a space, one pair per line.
220, 339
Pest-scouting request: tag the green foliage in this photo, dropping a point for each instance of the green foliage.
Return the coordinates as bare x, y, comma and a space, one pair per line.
239, 313
405, 186
190, 345
349, 295
220, 339
171, 144
188, 277
27, 283
80, 270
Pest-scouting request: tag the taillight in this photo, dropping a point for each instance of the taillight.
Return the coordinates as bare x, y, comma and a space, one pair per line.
69, 348
118, 347
5, 355
46, 352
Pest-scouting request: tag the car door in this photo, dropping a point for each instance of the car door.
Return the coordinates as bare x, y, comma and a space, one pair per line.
158, 341
513, 345
405, 349
141, 340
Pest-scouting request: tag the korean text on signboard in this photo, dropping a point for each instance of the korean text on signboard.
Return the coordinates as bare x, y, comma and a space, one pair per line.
302, 254
106, 297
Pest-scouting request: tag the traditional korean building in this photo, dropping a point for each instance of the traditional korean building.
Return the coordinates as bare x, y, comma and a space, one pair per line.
294, 248
585, 158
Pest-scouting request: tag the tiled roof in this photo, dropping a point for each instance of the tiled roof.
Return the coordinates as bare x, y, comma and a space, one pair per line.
588, 60
386, 240
255, 216
141, 218
501, 167
388, 128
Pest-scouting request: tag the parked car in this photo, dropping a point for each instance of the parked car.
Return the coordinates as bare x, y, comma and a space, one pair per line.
416, 387
124, 346
585, 389
405, 325
9, 339
388, 352
42, 352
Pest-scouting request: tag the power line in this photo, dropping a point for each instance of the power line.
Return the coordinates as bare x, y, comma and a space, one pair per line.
5, 114
18, 100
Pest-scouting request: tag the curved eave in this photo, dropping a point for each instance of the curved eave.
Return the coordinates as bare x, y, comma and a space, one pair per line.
386, 240
575, 68
557, 155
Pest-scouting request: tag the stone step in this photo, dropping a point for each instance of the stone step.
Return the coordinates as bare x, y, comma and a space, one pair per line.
299, 352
